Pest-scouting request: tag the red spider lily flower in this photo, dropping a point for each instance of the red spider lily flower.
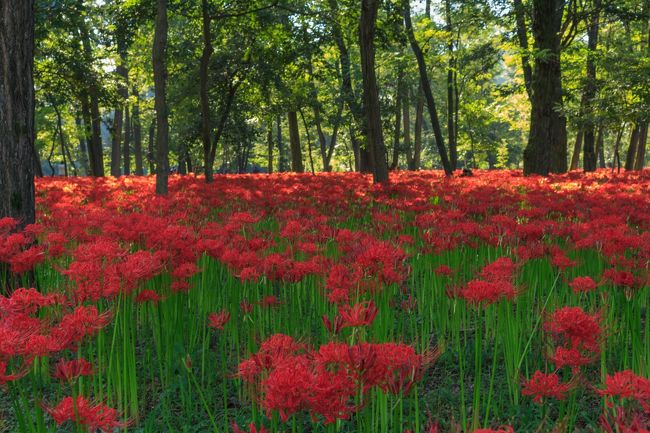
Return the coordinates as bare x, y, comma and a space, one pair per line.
218, 320
582, 284
148, 296
627, 385
251, 429
580, 329
561, 261
92, 416
571, 357
333, 326
500, 269
270, 301
487, 292
409, 304
4, 377
24, 261
27, 301
67, 371
621, 425
361, 314
546, 385
245, 307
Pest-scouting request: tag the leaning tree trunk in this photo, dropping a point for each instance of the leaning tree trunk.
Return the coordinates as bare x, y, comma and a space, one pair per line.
546, 151
375, 136
426, 88
294, 143
17, 111
589, 162
160, 83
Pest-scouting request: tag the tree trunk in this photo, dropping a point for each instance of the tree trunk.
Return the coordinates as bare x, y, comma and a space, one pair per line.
294, 143
151, 153
59, 127
577, 150
419, 121
137, 135
639, 164
630, 159
116, 150
81, 132
426, 88
282, 163
451, 102
206, 127
546, 151
522, 36
590, 156
269, 144
126, 145
616, 162
600, 147
406, 121
309, 149
397, 133
17, 111
160, 103
375, 137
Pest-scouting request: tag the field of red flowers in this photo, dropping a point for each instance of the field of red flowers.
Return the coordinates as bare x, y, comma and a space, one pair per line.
299, 303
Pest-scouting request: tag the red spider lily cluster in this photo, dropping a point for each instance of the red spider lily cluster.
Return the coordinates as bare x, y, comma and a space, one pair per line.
330, 381
107, 240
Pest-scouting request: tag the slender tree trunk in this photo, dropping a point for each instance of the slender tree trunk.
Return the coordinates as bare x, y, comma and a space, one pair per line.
127, 141
639, 164
375, 136
160, 103
616, 162
406, 120
577, 150
81, 132
116, 149
546, 151
451, 102
206, 127
137, 135
631, 151
397, 133
311, 156
294, 143
282, 163
59, 127
269, 144
17, 111
151, 153
590, 156
419, 121
426, 88
600, 146
522, 36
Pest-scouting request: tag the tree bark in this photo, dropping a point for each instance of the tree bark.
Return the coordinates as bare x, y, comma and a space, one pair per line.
639, 164
294, 142
406, 121
577, 150
630, 159
590, 155
282, 156
600, 146
137, 135
397, 133
426, 88
451, 101
116, 150
375, 137
151, 152
206, 127
126, 145
160, 103
17, 111
269, 144
522, 36
81, 132
546, 151
419, 121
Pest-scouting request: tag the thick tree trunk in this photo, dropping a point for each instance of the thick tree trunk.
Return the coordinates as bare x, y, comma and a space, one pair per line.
577, 150
137, 135
116, 150
375, 137
294, 142
160, 103
639, 163
630, 159
590, 156
546, 151
17, 111
522, 36
426, 88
